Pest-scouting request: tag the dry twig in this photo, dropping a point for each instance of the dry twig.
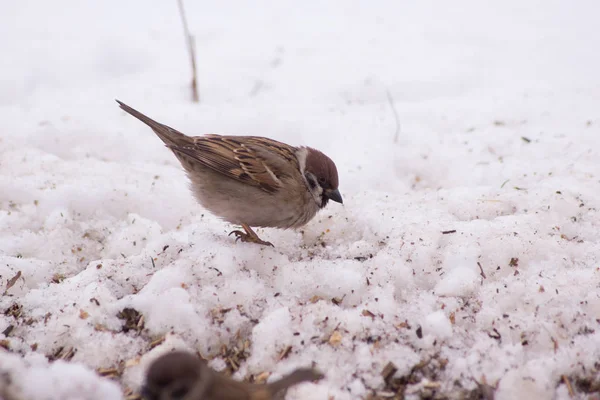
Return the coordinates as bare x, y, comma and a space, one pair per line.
396, 117
11, 282
192, 50
481, 270
567, 382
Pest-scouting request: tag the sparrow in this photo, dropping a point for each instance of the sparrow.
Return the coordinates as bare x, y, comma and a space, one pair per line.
251, 180
180, 375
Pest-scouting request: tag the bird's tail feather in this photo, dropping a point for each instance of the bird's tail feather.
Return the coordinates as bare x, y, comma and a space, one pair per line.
170, 136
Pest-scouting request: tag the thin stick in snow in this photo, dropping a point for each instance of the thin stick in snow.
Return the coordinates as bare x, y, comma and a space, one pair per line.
396, 118
192, 50
481, 270
569, 386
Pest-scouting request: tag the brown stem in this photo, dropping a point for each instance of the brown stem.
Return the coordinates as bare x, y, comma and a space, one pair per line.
191, 45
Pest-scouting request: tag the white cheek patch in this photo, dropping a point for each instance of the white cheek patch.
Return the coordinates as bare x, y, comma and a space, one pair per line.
317, 191
317, 195
301, 156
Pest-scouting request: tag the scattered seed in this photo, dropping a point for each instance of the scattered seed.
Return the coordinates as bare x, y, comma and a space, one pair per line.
419, 332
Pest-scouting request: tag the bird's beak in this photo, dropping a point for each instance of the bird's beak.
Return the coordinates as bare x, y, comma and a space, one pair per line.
334, 195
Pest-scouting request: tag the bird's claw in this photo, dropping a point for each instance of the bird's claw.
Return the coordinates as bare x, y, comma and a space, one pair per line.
238, 235
249, 238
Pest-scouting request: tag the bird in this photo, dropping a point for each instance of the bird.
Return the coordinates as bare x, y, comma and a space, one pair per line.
252, 181
181, 375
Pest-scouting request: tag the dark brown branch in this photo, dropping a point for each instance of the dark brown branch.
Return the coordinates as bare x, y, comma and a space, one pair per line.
481, 270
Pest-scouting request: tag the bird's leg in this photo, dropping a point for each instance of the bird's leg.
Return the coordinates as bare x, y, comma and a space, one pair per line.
249, 236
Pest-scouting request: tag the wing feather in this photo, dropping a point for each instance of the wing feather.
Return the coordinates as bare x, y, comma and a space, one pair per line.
253, 160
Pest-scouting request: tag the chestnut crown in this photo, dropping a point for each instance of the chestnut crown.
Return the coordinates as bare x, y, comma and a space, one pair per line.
321, 171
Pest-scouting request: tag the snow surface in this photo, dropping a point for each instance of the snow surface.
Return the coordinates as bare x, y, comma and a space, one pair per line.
499, 122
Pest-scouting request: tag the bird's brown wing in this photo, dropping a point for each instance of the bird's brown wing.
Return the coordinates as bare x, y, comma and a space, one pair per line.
253, 160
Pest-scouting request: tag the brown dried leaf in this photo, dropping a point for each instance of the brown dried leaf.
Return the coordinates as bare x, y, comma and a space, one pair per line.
388, 371
367, 313
335, 338
403, 325
8, 330
11, 282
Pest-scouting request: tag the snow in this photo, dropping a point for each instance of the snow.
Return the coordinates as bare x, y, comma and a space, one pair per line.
498, 141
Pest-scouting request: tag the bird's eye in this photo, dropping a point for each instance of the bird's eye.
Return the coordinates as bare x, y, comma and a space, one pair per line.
179, 392
321, 180
310, 178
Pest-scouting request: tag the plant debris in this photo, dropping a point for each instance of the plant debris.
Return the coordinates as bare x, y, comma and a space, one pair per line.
235, 354
367, 313
335, 339
8, 330
58, 278
495, 334
484, 391
481, 270
218, 315
363, 258
11, 282
419, 332
424, 376
62, 353
285, 353
15, 311
133, 320
388, 372
338, 300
